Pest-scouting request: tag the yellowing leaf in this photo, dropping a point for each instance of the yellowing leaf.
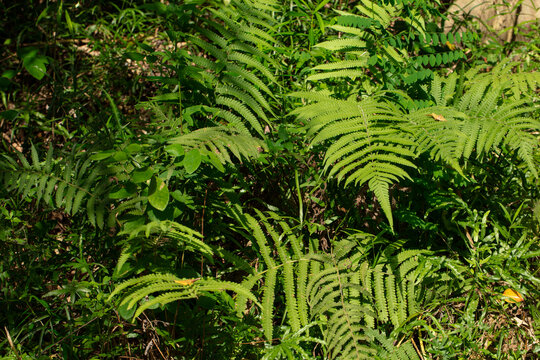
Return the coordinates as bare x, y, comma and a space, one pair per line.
512, 296
185, 282
437, 117
450, 45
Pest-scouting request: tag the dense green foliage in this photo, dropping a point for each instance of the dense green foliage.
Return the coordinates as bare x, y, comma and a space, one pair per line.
266, 179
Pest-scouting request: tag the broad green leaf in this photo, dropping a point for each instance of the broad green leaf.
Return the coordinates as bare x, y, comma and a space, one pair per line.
133, 148
134, 56
103, 155
33, 62
432, 60
175, 150
192, 161
124, 192
158, 194
9, 74
125, 312
120, 194
120, 156
141, 175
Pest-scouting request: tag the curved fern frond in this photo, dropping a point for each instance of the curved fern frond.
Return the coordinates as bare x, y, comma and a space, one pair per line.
368, 146
289, 346
481, 120
220, 143
242, 68
74, 183
183, 236
386, 348
273, 235
351, 294
169, 288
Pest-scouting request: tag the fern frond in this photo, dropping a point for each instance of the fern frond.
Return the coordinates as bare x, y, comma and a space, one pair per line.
354, 21
368, 146
342, 44
248, 283
242, 67
268, 303
351, 295
290, 344
347, 73
244, 85
183, 236
242, 110
68, 182
386, 348
272, 234
171, 288
481, 121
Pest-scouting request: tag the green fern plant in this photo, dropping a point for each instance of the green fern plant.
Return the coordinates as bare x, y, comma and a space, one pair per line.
391, 36
231, 51
290, 268
375, 142
289, 346
170, 288
340, 289
143, 237
166, 288
387, 350
480, 119
518, 83
74, 183
367, 143
220, 144
356, 298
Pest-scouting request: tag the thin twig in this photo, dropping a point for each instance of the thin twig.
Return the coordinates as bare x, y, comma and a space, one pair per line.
417, 350
155, 332
259, 341
11, 344
158, 349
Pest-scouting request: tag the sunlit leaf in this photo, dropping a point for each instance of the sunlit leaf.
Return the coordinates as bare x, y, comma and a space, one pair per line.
512, 296
185, 282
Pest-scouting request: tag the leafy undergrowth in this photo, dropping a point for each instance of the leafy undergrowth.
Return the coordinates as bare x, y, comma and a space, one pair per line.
263, 180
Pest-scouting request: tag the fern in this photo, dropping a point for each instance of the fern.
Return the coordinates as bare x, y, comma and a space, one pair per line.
242, 70
346, 291
368, 146
350, 294
480, 120
374, 142
74, 183
386, 348
159, 232
517, 83
289, 346
165, 288
169, 288
290, 270
219, 143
